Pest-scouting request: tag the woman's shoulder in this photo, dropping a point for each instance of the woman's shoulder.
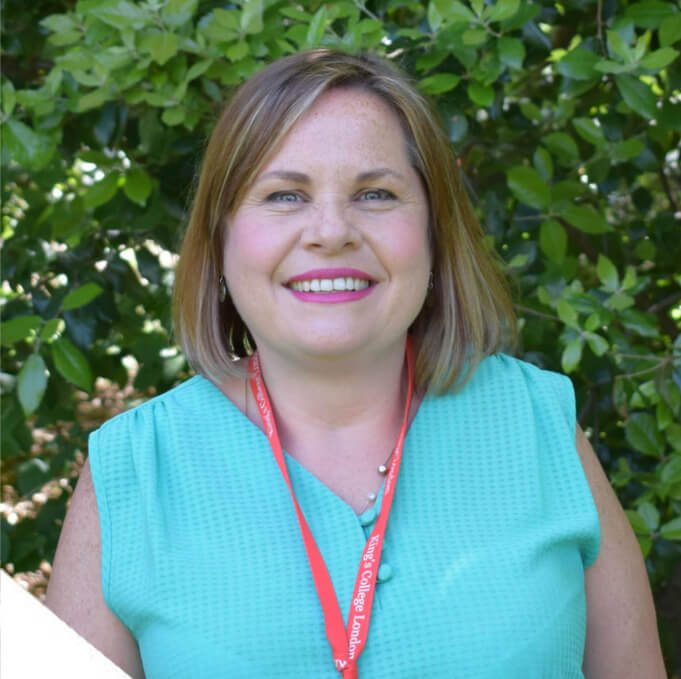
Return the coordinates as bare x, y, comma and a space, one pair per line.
501, 385
510, 371
192, 400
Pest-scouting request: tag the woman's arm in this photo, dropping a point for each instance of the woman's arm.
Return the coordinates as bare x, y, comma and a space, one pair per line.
75, 589
621, 634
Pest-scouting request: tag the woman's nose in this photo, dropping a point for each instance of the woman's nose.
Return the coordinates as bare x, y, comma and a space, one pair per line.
331, 227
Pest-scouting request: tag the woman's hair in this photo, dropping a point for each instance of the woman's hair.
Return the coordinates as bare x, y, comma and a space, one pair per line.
468, 313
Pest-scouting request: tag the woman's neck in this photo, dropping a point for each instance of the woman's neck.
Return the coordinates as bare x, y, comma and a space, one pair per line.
338, 409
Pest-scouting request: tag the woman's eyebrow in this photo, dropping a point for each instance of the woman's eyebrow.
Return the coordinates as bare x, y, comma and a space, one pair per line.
298, 177
302, 178
378, 173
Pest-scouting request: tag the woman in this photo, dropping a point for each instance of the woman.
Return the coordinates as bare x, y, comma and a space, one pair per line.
330, 231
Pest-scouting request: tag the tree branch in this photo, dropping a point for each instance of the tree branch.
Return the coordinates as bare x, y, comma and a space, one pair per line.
668, 190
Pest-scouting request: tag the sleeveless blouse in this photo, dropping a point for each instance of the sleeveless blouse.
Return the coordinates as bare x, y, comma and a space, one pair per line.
482, 575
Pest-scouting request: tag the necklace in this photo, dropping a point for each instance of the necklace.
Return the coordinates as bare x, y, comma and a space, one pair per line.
382, 469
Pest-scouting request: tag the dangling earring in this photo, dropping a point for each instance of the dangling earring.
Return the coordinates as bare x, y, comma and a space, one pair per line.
430, 281
222, 289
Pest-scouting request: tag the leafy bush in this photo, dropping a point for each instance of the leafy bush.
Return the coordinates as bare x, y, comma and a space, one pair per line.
565, 118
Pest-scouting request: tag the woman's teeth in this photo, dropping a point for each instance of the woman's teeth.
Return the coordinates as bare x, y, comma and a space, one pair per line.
329, 284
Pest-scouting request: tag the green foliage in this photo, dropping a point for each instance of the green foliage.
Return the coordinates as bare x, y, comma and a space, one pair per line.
565, 119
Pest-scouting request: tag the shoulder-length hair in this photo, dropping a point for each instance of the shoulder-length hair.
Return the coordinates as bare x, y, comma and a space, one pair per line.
468, 313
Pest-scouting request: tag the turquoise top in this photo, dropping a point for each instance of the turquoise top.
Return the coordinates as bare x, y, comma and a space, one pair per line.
482, 574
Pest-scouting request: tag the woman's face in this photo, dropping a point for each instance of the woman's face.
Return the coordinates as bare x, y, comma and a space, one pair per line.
328, 253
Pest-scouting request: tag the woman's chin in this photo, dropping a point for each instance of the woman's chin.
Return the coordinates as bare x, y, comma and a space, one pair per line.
335, 345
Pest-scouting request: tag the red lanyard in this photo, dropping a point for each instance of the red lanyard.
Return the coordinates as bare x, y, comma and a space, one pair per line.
345, 645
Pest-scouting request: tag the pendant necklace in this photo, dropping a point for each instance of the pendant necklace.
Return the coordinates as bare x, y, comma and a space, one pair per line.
382, 469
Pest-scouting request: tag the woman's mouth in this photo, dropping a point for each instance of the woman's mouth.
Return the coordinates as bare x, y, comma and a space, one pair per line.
331, 285
341, 284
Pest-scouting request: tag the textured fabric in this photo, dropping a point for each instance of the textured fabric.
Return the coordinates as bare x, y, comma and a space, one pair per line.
482, 576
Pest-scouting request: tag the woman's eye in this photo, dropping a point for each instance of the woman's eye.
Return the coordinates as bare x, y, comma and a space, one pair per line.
283, 197
376, 194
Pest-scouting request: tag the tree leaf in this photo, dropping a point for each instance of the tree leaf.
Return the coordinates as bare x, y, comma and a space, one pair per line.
650, 515
482, 95
18, 328
572, 355
543, 163
178, 12
649, 13
567, 313
137, 185
523, 17
25, 146
608, 66
315, 31
172, 116
619, 301
672, 529
642, 323
251, 16
71, 363
434, 17
588, 130
439, 83
453, 11
162, 45
673, 433
81, 296
52, 329
626, 150
598, 344
578, 64
511, 52
618, 47
637, 522
671, 471
607, 273
528, 187
235, 52
474, 37
518, 261
659, 58
642, 433
95, 99
32, 382
670, 30
503, 9
102, 191
120, 14
585, 218
59, 23
197, 69
563, 147
553, 240
9, 97
637, 95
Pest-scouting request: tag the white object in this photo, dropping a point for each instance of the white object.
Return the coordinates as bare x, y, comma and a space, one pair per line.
34, 642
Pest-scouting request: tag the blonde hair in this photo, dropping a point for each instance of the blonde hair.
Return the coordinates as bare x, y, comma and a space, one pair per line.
468, 313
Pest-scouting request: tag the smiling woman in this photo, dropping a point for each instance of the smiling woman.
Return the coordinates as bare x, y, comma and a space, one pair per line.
469, 313
337, 197
377, 490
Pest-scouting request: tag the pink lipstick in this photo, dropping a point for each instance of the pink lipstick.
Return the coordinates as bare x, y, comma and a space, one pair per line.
338, 272
332, 285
